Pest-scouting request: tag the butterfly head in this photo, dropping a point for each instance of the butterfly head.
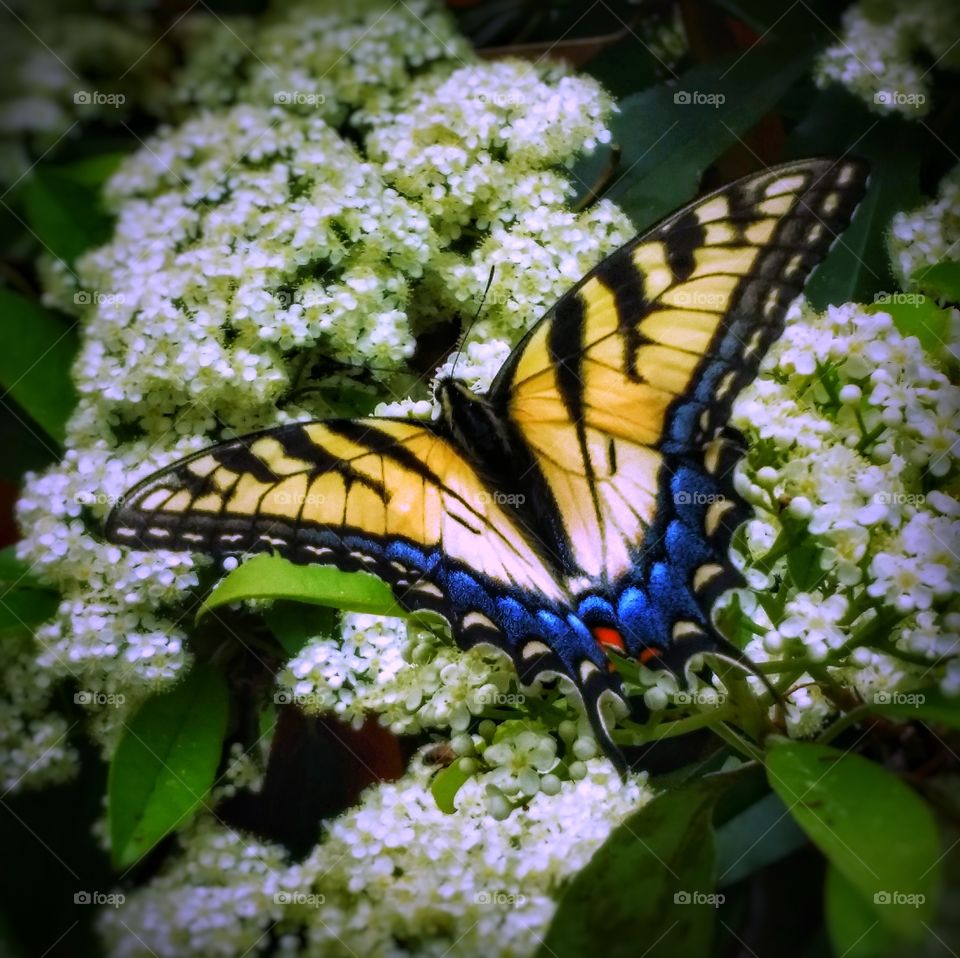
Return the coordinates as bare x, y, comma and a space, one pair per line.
470, 419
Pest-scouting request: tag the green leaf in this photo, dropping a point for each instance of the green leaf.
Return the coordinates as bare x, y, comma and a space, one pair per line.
857, 268
871, 827
914, 315
14, 571
165, 763
445, 785
294, 624
927, 705
652, 876
22, 608
667, 144
855, 931
941, 280
803, 563
760, 835
270, 577
64, 211
38, 351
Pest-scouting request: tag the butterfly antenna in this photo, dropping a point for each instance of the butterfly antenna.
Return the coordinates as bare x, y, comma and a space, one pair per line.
473, 322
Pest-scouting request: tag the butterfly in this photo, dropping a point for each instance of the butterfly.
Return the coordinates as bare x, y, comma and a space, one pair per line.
585, 504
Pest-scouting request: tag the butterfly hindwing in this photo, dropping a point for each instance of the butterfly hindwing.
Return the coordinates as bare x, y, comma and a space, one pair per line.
620, 394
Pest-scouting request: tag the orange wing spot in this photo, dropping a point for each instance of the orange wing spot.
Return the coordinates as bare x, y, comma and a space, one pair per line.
647, 654
609, 637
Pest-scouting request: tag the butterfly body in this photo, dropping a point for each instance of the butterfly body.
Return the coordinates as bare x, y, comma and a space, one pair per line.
585, 504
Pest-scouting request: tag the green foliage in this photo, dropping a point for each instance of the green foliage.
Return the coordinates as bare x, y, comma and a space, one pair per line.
165, 764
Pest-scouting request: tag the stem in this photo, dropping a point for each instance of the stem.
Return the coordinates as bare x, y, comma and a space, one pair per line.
843, 723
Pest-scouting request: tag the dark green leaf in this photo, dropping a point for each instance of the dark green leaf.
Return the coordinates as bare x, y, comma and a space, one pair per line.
38, 351
295, 623
652, 877
762, 834
941, 281
166, 763
667, 144
871, 826
803, 563
22, 608
927, 705
64, 212
445, 785
270, 577
26, 447
14, 571
855, 931
857, 268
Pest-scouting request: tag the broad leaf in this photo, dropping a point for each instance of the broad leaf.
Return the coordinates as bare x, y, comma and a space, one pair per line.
166, 763
915, 315
875, 830
38, 351
855, 931
926, 705
445, 785
671, 133
270, 577
941, 280
295, 623
22, 608
650, 885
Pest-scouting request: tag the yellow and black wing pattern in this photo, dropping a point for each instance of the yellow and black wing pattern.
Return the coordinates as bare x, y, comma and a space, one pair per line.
617, 400
586, 503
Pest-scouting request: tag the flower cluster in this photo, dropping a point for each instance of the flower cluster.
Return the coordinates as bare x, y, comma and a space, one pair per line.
885, 51
389, 877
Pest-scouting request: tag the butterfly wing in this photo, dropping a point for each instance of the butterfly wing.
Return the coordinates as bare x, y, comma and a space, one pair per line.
617, 398
388, 496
